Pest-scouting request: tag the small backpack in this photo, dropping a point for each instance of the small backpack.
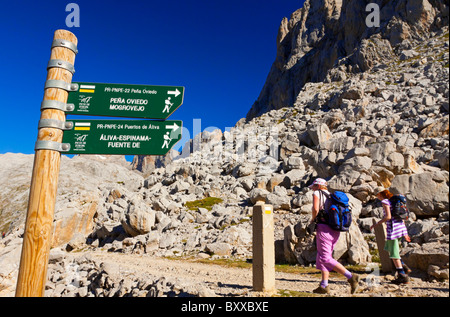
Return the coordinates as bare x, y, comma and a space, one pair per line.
338, 216
399, 209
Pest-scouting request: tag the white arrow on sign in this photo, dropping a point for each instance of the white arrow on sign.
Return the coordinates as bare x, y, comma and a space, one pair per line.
174, 127
175, 92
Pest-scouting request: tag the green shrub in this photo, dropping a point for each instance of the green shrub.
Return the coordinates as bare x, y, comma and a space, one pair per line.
207, 203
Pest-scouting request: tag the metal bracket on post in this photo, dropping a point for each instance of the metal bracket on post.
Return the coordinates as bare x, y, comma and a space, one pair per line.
58, 105
61, 84
55, 124
61, 64
64, 43
52, 145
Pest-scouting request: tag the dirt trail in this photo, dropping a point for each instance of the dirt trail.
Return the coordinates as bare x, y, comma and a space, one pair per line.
227, 281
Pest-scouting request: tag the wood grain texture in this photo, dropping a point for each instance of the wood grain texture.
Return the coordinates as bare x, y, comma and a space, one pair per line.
380, 234
41, 204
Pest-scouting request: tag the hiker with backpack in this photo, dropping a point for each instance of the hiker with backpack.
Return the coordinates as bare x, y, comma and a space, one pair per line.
327, 235
395, 212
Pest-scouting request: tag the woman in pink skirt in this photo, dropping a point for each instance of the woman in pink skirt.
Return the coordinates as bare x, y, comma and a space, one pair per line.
326, 239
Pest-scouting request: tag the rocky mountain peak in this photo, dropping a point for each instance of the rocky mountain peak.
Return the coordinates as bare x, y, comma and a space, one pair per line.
324, 40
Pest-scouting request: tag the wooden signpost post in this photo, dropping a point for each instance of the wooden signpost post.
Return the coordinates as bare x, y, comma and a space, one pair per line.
56, 136
41, 204
387, 266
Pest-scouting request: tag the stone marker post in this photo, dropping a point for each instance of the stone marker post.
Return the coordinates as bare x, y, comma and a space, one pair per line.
263, 249
380, 234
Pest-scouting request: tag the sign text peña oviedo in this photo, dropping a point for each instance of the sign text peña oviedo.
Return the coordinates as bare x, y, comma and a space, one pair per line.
122, 137
124, 100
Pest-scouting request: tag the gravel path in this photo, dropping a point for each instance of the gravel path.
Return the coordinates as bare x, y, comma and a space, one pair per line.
228, 281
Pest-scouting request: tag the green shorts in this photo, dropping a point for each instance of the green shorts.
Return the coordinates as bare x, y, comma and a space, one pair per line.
392, 247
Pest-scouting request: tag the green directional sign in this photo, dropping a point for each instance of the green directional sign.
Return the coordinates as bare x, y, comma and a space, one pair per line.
123, 100
122, 137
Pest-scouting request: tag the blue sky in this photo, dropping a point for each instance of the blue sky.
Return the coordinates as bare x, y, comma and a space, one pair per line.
220, 51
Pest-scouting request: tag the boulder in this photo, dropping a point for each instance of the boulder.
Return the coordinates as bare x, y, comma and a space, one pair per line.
289, 244
235, 236
439, 127
279, 199
339, 144
219, 248
299, 246
294, 162
288, 148
245, 169
427, 193
294, 178
356, 163
379, 152
319, 133
258, 194
438, 272
344, 180
139, 219
443, 158
426, 255
74, 218
353, 245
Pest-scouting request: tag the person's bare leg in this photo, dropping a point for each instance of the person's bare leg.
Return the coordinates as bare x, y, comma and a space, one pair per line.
339, 268
325, 275
397, 263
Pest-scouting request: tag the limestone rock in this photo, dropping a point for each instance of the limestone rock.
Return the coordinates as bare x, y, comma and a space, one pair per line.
139, 219
422, 257
324, 34
427, 193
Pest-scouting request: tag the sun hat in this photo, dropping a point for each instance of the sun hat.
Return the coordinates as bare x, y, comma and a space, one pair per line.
319, 181
378, 190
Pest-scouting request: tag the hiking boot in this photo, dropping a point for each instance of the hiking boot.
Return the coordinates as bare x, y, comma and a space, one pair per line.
406, 269
401, 279
354, 283
322, 290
